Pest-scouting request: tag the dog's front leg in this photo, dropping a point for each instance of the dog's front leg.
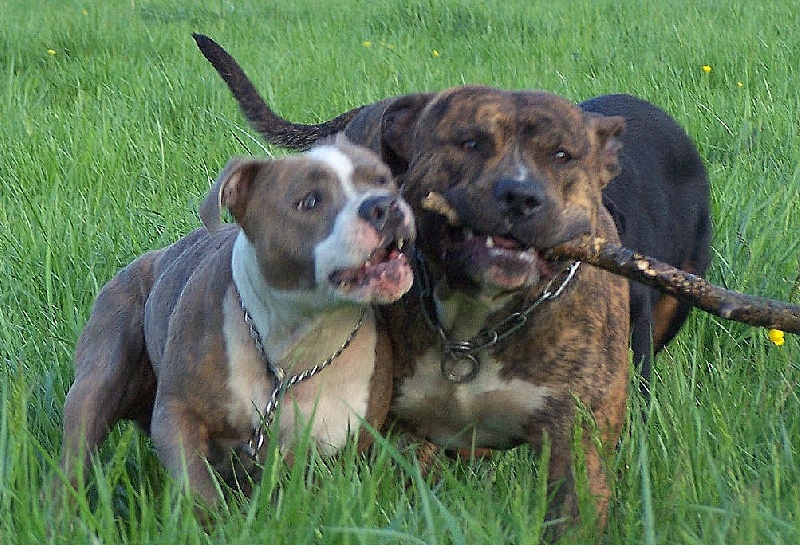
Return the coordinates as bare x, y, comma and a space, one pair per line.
563, 506
182, 440
577, 467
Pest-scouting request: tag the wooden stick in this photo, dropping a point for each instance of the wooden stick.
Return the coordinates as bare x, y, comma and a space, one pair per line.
690, 288
438, 204
693, 289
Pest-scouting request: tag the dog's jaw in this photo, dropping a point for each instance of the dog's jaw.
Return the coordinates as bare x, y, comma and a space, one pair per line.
383, 278
479, 262
495, 262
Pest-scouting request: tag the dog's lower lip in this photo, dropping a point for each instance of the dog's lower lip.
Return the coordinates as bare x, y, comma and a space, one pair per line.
505, 243
496, 248
546, 267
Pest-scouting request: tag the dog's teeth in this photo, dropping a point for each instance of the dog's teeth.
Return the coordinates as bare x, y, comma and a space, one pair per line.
489, 242
468, 235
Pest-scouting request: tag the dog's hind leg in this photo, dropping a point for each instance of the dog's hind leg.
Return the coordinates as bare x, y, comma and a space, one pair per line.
113, 376
642, 325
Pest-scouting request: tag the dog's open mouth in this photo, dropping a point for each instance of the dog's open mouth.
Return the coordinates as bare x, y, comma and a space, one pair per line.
383, 278
496, 259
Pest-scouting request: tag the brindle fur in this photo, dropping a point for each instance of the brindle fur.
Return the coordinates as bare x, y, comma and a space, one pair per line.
575, 345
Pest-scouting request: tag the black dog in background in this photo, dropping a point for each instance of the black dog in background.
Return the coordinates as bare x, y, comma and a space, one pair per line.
660, 204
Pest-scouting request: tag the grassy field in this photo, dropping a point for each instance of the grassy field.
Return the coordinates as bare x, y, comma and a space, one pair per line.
114, 124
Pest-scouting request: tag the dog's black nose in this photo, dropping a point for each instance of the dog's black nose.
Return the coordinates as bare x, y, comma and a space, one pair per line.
382, 212
519, 199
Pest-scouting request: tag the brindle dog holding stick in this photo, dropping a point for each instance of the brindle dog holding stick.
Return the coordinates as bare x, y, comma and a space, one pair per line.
497, 344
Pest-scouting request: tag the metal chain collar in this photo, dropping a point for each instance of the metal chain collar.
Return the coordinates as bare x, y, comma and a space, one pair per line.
282, 384
459, 363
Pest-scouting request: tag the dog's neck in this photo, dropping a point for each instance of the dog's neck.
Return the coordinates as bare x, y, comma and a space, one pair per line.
297, 328
464, 313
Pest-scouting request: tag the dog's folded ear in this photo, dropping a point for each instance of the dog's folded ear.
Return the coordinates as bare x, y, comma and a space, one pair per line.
397, 129
607, 129
231, 190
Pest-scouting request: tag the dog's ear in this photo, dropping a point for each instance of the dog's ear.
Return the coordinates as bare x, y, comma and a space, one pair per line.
397, 129
231, 190
608, 129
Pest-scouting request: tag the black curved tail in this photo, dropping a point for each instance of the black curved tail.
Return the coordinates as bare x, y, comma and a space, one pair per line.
273, 128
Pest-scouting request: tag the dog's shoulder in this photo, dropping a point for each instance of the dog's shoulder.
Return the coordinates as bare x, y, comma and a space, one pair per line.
191, 267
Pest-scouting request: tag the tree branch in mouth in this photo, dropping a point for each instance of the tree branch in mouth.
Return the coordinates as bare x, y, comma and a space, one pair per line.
688, 287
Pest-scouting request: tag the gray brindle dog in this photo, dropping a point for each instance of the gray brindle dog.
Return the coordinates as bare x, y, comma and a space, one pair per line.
198, 341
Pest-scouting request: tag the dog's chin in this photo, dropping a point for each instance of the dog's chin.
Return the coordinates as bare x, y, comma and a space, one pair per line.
496, 263
382, 279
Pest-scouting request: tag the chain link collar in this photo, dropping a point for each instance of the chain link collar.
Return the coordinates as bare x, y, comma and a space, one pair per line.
281, 383
459, 362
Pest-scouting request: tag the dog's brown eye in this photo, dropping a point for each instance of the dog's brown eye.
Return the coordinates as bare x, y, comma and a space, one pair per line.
382, 180
309, 202
561, 156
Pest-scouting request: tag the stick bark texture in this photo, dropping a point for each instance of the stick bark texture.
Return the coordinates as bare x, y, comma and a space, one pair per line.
693, 289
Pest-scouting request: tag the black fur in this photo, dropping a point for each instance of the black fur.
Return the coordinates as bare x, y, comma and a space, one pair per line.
660, 203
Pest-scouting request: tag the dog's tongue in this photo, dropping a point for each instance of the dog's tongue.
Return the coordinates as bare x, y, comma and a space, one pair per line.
506, 243
383, 265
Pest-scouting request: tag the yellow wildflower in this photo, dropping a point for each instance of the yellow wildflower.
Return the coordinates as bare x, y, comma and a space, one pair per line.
435, 53
776, 336
739, 84
51, 51
367, 43
706, 68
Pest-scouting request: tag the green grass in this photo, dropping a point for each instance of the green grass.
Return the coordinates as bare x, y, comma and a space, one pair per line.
114, 124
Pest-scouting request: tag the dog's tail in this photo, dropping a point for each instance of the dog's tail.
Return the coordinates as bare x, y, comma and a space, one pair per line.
273, 128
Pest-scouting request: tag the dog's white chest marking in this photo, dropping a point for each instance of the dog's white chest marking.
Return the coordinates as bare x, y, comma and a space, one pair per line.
330, 405
493, 408
335, 402
248, 380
